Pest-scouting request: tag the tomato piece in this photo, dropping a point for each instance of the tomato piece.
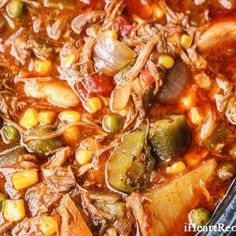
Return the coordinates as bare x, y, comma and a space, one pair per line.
141, 8
146, 77
123, 26
95, 85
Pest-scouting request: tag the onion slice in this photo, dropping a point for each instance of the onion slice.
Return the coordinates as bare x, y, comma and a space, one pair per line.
176, 80
111, 55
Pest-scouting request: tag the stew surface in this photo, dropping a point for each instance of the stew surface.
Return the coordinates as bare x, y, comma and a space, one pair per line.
117, 117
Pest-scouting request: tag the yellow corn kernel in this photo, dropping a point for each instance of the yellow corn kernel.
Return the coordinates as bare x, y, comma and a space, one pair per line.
176, 168
14, 210
72, 134
93, 105
186, 41
166, 61
43, 67
68, 60
24, 179
195, 116
83, 156
157, 11
48, 225
203, 81
70, 116
90, 144
111, 34
106, 102
200, 63
174, 39
188, 101
195, 157
29, 118
46, 117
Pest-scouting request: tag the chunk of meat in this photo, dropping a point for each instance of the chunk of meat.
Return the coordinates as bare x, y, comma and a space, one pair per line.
19, 46
56, 29
5, 227
166, 204
135, 203
79, 23
58, 93
40, 199
218, 33
60, 179
95, 85
72, 223
60, 157
86, 56
29, 226
142, 59
123, 26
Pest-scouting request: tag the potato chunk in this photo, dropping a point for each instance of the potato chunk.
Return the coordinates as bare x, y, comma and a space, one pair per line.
167, 204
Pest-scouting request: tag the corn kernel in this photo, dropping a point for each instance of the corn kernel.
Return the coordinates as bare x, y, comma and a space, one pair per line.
70, 116
93, 105
166, 61
157, 12
176, 168
83, 156
195, 116
48, 225
72, 134
24, 179
174, 39
111, 34
68, 60
90, 144
43, 67
14, 210
29, 118
188, 101
186, 41
203, 81
46, 117
232, 152
193, 158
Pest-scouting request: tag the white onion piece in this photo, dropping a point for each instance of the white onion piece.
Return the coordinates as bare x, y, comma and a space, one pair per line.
111, 55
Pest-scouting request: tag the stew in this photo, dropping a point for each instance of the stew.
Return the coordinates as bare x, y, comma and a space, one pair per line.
117, 117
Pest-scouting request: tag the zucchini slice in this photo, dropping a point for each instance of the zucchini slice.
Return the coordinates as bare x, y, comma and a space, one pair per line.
128, 168
169, 137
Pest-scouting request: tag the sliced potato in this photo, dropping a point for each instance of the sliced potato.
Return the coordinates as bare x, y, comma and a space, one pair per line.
57, 93
167, 204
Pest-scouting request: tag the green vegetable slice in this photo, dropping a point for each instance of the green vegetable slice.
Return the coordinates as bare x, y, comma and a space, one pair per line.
169, 137
128, 169
43, 147
10, 156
